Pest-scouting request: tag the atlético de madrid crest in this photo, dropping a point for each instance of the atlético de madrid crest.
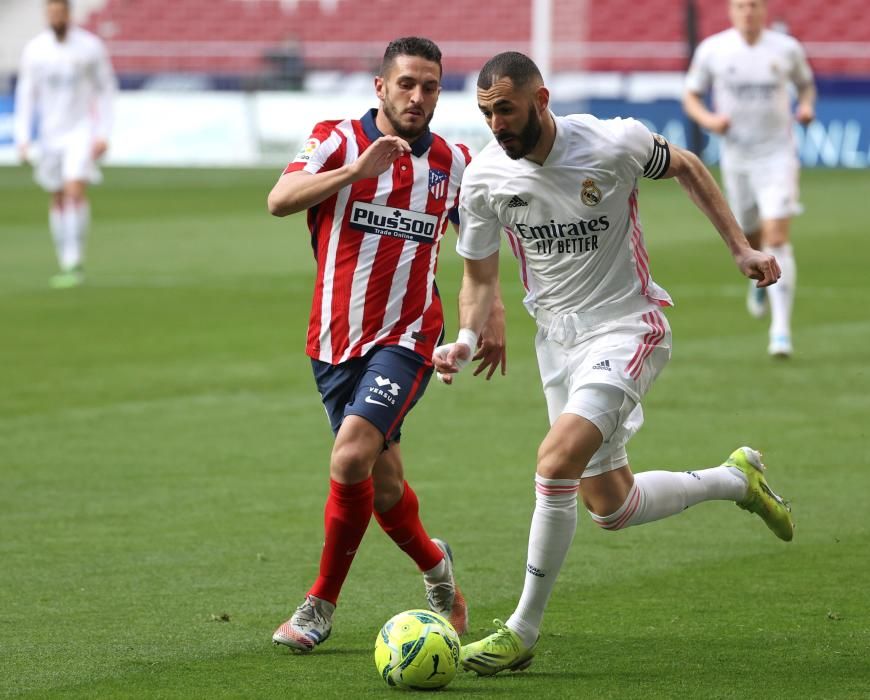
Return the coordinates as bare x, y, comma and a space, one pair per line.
590, 194
437, 183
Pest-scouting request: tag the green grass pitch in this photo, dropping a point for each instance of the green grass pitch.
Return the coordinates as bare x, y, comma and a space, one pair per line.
163, 468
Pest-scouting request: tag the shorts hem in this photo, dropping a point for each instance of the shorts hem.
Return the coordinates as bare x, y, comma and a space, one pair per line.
604, 466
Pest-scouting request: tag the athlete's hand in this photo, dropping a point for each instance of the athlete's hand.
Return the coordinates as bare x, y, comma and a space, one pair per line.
492, 346
24, 153
98, 150
450, 359
718, 123
378, 157
804, 113
758, 266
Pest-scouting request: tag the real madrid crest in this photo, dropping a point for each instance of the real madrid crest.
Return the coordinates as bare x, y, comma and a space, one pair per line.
590, 194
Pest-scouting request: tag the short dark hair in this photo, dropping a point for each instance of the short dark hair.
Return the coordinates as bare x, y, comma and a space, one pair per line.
511, 64
411, 46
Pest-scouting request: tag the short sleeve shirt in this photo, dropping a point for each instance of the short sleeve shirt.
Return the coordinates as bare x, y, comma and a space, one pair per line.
573, 222
376, 242
750, 84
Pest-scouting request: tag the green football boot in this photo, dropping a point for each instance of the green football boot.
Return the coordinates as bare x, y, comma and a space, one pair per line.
760, 499
67, 279
501, 651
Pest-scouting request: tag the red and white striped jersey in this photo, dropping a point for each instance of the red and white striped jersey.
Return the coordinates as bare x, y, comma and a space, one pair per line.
376, 242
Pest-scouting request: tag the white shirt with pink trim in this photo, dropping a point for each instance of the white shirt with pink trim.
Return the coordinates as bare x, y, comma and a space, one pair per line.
573, 222
751, 85
66, 86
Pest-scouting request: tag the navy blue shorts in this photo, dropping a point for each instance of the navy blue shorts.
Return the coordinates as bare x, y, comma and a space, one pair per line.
382, 387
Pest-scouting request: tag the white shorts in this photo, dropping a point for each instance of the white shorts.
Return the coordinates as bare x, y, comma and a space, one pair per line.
627, 353
762, 189
71, 161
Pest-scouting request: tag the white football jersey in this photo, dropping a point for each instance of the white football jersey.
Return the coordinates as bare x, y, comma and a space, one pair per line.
573, 222
66, 86
751, 85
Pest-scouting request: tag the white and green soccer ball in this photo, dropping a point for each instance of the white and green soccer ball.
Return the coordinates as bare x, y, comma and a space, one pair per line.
417, 650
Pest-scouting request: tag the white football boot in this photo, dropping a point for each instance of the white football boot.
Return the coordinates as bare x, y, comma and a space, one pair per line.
444, 596
309, 626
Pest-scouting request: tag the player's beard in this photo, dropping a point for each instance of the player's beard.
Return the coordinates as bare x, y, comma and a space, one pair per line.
60, 30
526, 140
407, 133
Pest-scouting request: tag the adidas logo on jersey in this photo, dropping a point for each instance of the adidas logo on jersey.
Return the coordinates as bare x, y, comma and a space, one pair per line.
605, 365
517, 202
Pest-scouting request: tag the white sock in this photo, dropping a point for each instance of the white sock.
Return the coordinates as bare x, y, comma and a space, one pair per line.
56, 224
781, 294
660, 494
553, 524
438, 573
76, 217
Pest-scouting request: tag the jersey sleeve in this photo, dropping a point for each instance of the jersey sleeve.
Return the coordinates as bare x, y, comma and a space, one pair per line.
641, 152
479, 227
24, 100
659, 160
453, 213
106, 86
324, 150
699, 77
801, 73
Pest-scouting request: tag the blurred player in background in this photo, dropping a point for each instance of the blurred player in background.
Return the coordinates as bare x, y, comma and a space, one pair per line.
379, 191
65, 88
564, 192
751, 70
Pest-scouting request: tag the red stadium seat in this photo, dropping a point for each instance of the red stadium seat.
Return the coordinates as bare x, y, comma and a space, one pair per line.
622, 35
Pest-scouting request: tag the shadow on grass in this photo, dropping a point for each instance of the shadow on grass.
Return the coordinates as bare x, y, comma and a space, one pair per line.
326, 652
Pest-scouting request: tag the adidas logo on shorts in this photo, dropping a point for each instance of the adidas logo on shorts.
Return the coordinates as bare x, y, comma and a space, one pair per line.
605, 365
517, 202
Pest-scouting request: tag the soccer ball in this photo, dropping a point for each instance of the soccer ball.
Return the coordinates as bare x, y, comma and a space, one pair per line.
417, 650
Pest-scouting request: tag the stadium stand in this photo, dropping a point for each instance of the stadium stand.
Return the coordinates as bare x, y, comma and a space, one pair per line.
835, 41
247, 36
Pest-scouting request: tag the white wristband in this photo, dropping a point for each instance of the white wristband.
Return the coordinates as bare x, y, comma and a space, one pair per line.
468, 337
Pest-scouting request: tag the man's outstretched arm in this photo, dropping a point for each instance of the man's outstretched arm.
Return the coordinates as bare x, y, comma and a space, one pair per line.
698, 183
300, 190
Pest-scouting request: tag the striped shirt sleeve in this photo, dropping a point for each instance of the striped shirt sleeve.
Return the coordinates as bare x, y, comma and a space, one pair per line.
322, 148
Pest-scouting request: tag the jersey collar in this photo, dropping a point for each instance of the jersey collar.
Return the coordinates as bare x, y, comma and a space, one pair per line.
418, 148
558, 142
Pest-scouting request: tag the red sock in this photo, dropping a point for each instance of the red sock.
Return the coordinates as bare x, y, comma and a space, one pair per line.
402, 524
346, 517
